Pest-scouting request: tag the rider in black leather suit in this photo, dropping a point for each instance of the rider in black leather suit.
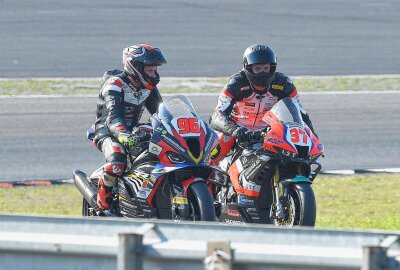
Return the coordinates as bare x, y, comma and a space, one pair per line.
122, 99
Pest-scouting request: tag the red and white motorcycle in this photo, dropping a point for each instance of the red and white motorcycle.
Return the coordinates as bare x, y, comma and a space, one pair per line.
270, 180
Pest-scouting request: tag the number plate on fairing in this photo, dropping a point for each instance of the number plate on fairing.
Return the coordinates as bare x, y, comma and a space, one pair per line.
298, 136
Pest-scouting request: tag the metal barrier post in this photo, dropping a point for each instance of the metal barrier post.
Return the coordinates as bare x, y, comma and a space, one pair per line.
219, 256
376, 257
129, 255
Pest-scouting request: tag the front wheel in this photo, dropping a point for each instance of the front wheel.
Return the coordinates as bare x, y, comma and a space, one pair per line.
201, 202
300, 207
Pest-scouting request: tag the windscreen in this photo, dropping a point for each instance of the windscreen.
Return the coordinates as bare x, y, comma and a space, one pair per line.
286, 110
176, 107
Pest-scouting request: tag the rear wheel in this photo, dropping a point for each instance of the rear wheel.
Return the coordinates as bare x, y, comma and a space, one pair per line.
87, 210
300, 208
201, 202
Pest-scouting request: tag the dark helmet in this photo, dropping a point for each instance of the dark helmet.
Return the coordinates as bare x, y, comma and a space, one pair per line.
259, 54
136, 57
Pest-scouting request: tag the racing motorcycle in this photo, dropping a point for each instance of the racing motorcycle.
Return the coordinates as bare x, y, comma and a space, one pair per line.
271, 178
168, 176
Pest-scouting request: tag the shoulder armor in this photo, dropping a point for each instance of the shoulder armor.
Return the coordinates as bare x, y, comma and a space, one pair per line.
283, 83
112, 84
237, 83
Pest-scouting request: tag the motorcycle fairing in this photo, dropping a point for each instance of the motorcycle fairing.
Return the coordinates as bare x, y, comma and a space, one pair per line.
287, 130
134, 189
180, 134
284, 159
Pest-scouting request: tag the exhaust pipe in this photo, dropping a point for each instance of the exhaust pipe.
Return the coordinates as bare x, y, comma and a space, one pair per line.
85, 188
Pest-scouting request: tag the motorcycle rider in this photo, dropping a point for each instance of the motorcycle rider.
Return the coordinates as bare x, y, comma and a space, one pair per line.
247, 96
122, 99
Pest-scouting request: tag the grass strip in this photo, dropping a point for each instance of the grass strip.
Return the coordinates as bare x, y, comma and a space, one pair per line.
355, 202
90, 86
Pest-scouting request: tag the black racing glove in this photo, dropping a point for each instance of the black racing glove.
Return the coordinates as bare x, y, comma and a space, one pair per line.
241, 134
244, 136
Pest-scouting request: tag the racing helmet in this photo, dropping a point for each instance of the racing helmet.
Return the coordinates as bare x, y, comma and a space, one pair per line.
259, 54
136, 57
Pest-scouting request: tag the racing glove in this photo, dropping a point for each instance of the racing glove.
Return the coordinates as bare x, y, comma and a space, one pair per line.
243, 135
128, 140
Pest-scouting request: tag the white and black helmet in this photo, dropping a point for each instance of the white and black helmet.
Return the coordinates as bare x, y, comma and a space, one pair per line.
136, 57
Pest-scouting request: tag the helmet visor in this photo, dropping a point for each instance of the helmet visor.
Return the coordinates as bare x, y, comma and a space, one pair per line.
261, 57
154, 57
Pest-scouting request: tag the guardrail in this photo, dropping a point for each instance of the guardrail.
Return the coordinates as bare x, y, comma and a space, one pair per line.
32, 242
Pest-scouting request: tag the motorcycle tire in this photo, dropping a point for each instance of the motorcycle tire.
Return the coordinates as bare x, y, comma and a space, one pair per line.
305, 206
202, 203
86, 212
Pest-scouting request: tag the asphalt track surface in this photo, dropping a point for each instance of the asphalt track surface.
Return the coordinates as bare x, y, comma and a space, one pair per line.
44, 138
74, 38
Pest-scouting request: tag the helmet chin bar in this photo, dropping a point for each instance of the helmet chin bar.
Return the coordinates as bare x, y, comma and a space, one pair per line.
260, 83
143, 79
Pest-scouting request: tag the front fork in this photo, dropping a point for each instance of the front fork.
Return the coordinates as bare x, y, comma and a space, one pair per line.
280, 195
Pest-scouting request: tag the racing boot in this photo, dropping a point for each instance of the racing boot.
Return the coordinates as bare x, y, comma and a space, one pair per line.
104, 192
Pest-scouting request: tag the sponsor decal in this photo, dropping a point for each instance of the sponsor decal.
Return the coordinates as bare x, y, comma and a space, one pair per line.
180, 200
270, 102
136, 97
143, 193
245, 88
224, 102
116, 170
250, 104
208, 145
154, 148
173, 144
244, 200
274, 141
277, 87
234, 222
250, 186
232, 81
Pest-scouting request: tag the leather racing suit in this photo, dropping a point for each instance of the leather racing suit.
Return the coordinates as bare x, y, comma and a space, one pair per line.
119, 109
